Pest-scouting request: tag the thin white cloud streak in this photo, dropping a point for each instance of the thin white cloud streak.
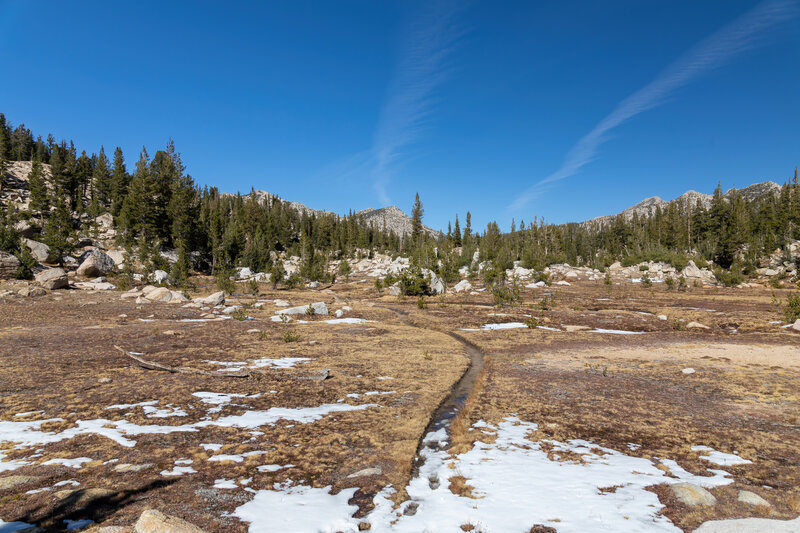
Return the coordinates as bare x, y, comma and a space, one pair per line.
424, 65
713, 52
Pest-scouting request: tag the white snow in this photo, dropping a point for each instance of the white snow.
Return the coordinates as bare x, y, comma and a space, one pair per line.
179, 471
74, 525
273, 468
76, 462
8, 527
616, 331
224, 484
489, 327
236, 458
281, 362
29, 433
337, 321
299, 509
720, 458
515, 483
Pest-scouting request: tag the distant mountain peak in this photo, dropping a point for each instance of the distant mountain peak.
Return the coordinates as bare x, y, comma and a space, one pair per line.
648, 206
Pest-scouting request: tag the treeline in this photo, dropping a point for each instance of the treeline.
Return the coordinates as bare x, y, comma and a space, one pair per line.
157, 205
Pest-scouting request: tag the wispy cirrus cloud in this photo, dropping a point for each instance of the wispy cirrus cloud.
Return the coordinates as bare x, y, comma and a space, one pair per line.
713, 52
423, 65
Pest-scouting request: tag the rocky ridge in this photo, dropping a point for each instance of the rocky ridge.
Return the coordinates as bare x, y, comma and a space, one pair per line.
648, 206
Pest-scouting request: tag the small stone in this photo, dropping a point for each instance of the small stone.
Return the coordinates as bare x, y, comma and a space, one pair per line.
254, 331
693, 495
696, 325
32, 292
662, 317
688, 370
751, 498
125, 467
796, 325
104, 380
373, 471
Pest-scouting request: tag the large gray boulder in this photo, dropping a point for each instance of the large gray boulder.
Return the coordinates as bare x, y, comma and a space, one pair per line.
40, 251
52, 279
8, 266
319, 309
95, 263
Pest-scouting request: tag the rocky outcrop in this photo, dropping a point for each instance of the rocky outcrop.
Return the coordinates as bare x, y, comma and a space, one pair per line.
648, 206
693, 495
318, 308
52, 279
95, 263
152, 521
8, 266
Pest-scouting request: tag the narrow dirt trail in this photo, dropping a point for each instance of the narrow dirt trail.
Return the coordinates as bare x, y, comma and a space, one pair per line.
444, 414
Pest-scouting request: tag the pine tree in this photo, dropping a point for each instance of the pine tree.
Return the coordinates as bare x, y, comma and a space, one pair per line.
119, 182
416, 220
37, 184
457, 233
101, 181
58, 230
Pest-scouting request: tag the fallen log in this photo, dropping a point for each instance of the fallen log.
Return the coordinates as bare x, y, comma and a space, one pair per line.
152, 365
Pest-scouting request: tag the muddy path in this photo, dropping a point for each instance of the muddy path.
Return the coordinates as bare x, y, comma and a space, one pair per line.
451, 406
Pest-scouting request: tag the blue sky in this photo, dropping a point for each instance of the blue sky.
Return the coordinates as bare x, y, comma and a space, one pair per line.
479, 105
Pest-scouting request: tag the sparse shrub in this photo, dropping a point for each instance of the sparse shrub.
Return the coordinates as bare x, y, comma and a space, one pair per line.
239, 314
670, 283
607, 279
414, 283
253, 286
532, 322
542, 276
288, 334
776, 283
224, 281
791, 309
729, 278
646, 281
644, 268
506, 295
421, 303
427, 356
678, 325
547, 303
293, 281
682, 284
344, 269
263, 335
310, 310
378, 284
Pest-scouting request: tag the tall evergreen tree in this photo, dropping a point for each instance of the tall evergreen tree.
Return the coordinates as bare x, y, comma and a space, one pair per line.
416, 220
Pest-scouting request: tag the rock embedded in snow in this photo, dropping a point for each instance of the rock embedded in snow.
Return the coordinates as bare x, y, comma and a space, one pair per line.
95, 263
751, 498
750, 525
152, 521
52, 279
696, 325
693, 495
